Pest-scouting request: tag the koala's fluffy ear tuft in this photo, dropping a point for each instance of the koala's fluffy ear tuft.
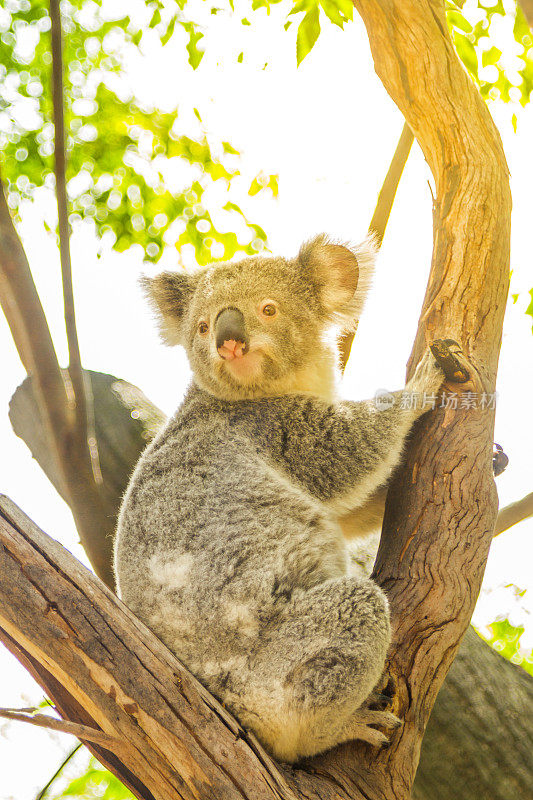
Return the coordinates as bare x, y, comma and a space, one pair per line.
342, 274
169, 295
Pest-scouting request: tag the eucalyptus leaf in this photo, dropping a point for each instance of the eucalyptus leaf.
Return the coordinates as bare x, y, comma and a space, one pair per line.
308, 32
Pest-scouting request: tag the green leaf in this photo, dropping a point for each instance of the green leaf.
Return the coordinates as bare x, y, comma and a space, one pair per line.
302, 6
118, 149
308, 32
457, 20
228, 148
491, 56
346, 7
232, 207
261, 182
169, 31
195, 53
505, 639
156, 19
332, 12
467, 52
521, 28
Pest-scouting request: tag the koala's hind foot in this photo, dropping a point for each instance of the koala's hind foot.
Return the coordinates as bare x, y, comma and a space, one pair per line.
317, 664
359, 726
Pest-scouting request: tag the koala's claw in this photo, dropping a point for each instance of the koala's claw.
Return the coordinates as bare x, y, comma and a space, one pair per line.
359, 726
445, 353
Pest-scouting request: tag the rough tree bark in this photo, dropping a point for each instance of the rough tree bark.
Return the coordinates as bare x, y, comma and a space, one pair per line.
438, 523
435, 542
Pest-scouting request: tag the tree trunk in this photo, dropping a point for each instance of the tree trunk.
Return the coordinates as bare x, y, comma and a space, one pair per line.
479, 741
441, 508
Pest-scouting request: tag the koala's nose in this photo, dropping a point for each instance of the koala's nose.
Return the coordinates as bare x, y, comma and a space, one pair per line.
230, 334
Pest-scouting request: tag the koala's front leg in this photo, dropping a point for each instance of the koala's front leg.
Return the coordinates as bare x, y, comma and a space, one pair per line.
342, 452
425, 384
360, 514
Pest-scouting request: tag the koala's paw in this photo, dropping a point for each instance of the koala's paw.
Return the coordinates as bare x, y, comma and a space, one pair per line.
442, 362
359, 726
428, 378
445, 352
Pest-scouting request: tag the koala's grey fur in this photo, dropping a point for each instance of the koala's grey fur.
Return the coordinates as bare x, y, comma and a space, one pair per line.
229, 543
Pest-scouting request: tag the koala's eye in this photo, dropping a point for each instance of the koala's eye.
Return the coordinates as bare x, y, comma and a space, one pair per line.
269, 310
203, 327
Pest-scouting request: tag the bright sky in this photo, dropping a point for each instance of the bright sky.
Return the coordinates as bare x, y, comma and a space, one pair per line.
329, 130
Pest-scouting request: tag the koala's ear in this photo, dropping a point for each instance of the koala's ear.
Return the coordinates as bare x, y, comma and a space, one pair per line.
342, 275
169, 294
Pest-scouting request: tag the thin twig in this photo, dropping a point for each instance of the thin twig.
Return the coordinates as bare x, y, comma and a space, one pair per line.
380, 217
81, 388
83, 732
381, 214
58, 772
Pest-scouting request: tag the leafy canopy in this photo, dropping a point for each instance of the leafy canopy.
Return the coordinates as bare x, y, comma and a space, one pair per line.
120, 151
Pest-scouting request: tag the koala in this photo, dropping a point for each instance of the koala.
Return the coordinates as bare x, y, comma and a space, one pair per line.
230, 542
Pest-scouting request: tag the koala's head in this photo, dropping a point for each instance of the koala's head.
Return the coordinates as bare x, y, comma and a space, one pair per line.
260, 326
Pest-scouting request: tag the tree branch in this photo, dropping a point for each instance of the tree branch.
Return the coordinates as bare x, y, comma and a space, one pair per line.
104, 670
514, 513
68, 448
442, 504
380, 217
81, 388
25, 316
121, 684
527, 8
83, 732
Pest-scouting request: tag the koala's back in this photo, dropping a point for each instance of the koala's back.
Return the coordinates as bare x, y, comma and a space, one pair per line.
214, 541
